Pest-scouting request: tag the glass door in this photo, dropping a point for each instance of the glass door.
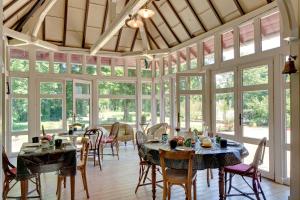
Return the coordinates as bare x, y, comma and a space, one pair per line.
189, 100
82, 102
255, 94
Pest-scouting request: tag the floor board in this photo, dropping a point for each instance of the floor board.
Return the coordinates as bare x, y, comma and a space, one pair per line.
118, 179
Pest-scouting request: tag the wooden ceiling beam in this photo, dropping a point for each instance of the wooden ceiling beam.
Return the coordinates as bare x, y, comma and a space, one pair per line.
150, 36
159, 32
179, 19
195, 15
120, 33
16, 13
40, 16
105, 17
239, 7
215, 12
9, 5
65, 22
144, 36
165, 21
131, 8
87, 6
134, 39
26, 17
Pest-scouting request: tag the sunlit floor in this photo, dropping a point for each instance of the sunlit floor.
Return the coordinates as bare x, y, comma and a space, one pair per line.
118, 180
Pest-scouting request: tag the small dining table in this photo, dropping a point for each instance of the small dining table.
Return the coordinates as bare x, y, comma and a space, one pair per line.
205, 158
34, 159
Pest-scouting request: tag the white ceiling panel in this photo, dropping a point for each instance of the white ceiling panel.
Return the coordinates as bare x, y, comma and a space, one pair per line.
179, 5
209, 20
58, 10
200, 6
73, 38
77, 4
99, 2
54, 23
248, 6
181, 33
92, 35
75, 19
190, 21
95, 17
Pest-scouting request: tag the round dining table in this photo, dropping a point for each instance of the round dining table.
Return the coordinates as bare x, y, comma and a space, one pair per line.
214, 157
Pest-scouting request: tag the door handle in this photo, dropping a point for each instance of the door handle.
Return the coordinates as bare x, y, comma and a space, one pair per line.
240, 119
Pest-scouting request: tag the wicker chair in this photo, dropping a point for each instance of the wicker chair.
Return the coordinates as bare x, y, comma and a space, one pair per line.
10, 174
157, 130
112, 139
182, 177
251, 171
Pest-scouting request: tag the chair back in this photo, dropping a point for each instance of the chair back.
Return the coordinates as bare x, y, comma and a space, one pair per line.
114, 130
84, 151
95, 136
157, 130
140, 138
175, 156
6, 165
259, 153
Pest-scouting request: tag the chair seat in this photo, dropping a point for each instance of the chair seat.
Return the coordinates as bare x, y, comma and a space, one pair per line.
239, 169
179, 175
13, 171
107, 140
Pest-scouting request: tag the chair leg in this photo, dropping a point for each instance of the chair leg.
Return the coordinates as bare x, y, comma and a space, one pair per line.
195, 189
117, 149
94, 154
5, 188
165, 188
211, 173
59, 179
83, 174
189, 191
260, 188
98, 153
225, 185
208, 177
65, 182
141, 173
146, 174
169, 191
255, 189
112, 150
230, 182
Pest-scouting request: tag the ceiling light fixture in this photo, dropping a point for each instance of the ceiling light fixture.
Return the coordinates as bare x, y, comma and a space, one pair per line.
289, 66
134, 22
146, 12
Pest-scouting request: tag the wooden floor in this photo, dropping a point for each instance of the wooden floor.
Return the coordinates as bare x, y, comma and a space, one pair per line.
118, 179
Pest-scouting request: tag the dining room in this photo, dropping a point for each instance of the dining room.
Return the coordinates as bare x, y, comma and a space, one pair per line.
150, 99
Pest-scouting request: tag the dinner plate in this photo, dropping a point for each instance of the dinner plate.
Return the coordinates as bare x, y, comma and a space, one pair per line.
32, 145
29, 149
153, 141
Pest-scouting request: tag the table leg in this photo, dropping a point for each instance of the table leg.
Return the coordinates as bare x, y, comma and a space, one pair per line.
221, 183
24, 189
72, 182
153, 179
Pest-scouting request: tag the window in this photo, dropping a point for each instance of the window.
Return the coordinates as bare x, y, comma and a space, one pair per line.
247, 39
167, 101
270, 31
209, 51
19, 104
51, 105
182, 60
224, 103
173, 60
131, 67
19, 60
156, 69
76, 64
42, 62
157, 101
91, 65
227, 45
60, 60
18, 112
193, 57
119, 67
255, 102
166, 65
117, 102
106, 66
146, 100
146, 69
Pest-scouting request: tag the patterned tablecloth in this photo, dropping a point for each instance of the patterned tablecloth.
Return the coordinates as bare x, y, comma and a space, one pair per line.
213, 157
41, 160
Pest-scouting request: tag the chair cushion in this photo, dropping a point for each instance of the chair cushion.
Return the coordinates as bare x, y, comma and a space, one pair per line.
238, 169
13, 170
178, 175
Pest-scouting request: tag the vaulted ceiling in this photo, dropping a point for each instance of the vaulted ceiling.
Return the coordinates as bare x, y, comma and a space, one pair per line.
79, 23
